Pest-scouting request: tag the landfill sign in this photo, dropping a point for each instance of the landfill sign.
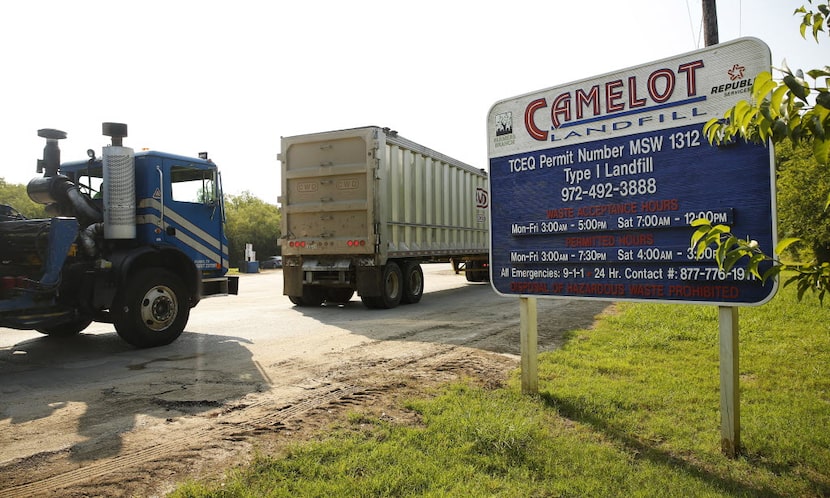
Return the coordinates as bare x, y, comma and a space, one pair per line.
594, 183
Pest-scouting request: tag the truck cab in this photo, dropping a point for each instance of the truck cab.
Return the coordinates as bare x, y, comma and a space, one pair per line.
179, 204
135, 239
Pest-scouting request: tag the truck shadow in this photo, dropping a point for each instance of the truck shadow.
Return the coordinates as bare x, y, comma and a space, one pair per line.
96, 388
472, 315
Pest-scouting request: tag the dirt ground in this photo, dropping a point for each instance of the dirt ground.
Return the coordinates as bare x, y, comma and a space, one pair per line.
93, 417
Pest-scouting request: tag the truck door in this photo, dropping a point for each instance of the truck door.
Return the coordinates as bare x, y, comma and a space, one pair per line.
192, 214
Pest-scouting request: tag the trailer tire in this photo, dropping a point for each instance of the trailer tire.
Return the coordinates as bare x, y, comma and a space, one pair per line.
312, 296
339, 295
152, 309
413, 283
296, 300
478, 273
391, 288
67, 329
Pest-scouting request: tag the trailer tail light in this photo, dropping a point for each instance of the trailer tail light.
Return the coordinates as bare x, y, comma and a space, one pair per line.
301, 244
8, 283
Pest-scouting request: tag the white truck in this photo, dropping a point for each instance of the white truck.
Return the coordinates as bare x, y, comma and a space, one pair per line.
362, 208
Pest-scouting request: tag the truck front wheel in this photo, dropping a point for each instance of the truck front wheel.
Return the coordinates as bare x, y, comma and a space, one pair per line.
152, 310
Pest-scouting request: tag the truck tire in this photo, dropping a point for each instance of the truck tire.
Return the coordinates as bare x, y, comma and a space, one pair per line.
391, 288
479, 274
312, 296
152, 309
413, 283
67, 329
296, 300
339, 295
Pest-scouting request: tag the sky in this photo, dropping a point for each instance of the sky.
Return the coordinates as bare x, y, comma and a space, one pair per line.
231, 78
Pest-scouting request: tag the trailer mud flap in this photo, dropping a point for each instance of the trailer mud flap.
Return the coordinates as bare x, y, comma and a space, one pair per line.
292, 280
369, 281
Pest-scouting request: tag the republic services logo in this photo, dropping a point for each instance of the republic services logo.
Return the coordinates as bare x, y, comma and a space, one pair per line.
737, 72
739, 83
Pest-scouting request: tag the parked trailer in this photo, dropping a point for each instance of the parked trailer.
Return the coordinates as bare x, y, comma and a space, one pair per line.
362, 208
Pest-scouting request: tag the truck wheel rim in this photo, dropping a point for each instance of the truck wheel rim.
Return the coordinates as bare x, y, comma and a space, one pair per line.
393, 285
159, 308
416, 283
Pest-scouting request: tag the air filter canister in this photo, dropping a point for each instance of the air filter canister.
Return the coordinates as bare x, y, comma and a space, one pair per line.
119, 192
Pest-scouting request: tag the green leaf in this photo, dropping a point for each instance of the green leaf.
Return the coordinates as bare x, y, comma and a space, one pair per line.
712, 130
754, 261
784, 244
762, 85
780, 130
731, 258
796, 86
724, 247
701, 232
777, 98
793, 279
823, 99
817, 73
821, 150
803, 285
815, 125
818, 19
772, 272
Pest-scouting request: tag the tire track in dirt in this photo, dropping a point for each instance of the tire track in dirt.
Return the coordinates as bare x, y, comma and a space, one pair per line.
229, 429
358, 381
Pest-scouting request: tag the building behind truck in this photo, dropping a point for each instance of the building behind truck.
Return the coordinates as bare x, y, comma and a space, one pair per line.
133, 239
363, 208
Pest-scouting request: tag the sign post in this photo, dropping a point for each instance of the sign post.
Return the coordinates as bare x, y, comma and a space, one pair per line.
594, 185
730, 407
528, 338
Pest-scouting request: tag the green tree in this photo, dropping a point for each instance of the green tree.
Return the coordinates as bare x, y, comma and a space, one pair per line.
802, 186
789, 110
251, 221
14, 195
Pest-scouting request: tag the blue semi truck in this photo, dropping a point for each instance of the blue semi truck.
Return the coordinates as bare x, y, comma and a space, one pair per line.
135, 239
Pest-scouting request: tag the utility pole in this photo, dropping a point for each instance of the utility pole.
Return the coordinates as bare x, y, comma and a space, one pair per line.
730, 402
710, 23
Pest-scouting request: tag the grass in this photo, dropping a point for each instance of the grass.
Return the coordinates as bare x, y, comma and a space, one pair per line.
630, 408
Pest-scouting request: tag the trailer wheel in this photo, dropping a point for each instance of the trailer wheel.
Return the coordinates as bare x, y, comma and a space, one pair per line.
152, 310
339, 295
296, 300
312, 296
391, 288
67, 329
479, 272
413, 283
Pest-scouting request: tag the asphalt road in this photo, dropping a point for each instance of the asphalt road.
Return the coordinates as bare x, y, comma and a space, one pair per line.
92, 416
